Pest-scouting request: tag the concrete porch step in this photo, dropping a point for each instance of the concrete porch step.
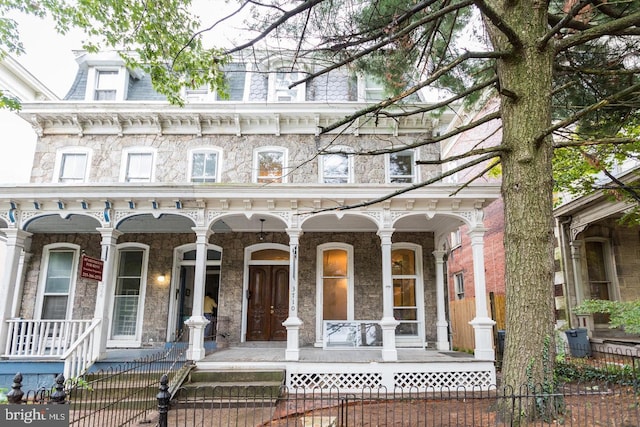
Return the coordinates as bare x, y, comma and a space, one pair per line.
208, 385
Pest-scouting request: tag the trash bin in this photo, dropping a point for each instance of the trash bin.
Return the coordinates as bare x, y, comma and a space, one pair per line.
578, 342
501, 336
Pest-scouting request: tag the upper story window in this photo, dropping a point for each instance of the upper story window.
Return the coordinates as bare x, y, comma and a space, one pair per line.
72, 165
373, 89
204, 165
138, 165
269, 165
336, 168
106, 84
280, 82
400, 167
456, 238
458, 280
234, 77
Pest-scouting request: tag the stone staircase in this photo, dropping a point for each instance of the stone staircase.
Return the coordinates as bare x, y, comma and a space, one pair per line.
246, 387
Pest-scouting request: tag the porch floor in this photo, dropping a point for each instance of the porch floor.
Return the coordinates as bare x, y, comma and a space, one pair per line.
273, 354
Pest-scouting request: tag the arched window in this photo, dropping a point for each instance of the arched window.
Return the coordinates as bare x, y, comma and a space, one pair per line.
269, 165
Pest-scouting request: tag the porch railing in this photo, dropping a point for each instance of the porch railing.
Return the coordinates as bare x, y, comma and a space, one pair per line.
29, 338
82, 353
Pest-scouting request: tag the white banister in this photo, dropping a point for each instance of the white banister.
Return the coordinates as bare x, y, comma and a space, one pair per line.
81, 354
29, 338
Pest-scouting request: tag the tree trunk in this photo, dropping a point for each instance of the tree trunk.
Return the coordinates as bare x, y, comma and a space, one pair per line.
525, 87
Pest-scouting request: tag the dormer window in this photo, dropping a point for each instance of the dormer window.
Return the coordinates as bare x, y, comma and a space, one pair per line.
106, 84
370, 89
279, 86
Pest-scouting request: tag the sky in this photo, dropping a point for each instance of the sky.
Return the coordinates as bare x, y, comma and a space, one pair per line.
49, 57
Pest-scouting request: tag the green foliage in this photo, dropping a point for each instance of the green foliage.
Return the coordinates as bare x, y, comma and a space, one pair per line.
3, 395
582, 370
548, 403
624, 314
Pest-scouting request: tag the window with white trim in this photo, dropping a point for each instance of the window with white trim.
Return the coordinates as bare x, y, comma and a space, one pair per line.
334, 284
106, 85
269, 165
458, 283
204, 165
58, 281
401, 167
280, 82
129, 292
456, 238
72, 165
407, 291
138, 165
336, 168
373, 89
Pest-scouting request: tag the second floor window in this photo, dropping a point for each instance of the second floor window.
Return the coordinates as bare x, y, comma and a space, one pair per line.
270, 164
106, 85
336, 168
73, 167
401, 167
204, 166
139, 167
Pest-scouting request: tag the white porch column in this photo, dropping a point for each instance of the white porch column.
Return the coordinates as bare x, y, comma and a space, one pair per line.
442, 326
293, 322
586, 320
102, 307
388, 322
197, 321
21, 274
14, 245
482, 323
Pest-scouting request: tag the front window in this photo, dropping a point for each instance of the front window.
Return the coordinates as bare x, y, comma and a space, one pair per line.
336, 168
334, 291
401, 167
284, 79
138, 166
405, 278
204, 166
73, 167
598, 275
128, 294
270, 164
106, 85
59, 280
373, 89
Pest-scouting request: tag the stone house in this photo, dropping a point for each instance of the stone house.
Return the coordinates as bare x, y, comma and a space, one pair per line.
137, 208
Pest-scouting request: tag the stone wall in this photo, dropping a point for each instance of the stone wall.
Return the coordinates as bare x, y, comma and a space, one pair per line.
172, 155
367, 277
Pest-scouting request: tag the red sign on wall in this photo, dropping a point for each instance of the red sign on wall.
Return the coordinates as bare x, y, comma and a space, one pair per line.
91, 268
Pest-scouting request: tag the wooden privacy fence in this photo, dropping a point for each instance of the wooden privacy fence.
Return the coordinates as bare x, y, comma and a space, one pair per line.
461, 312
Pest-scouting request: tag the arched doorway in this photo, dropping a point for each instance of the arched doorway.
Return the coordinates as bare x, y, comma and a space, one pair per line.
267, 293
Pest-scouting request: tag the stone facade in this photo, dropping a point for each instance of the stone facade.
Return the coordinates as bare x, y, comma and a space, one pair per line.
172, 156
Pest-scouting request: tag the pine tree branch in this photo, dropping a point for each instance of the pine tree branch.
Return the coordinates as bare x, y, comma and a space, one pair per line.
393, 100
573, 12
477, 176
579, 114
409, 188
497, 149
614, 27
600, 141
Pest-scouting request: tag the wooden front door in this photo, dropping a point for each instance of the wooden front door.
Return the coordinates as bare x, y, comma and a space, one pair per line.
268, 302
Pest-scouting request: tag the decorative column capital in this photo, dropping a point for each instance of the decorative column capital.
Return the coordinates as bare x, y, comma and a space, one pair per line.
202, 234
385, 235
439, 256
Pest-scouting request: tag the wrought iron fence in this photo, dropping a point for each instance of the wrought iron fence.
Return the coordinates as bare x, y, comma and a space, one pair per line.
119, 395
259, 406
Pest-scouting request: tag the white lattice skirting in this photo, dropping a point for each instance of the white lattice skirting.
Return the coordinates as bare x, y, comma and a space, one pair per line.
421, 377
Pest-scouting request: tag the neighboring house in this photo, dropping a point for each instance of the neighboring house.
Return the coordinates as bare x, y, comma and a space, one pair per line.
233, 198
599, 257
